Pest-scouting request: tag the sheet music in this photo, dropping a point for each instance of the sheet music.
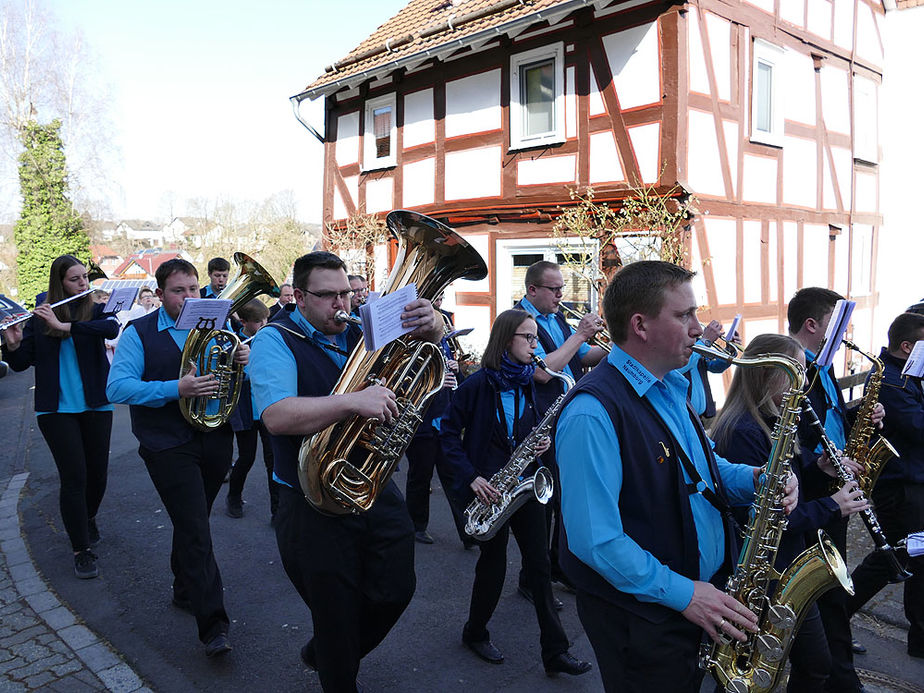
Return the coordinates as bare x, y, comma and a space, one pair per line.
121, 299
382, 317
203, 313
915, 545
460, 333
914, 366
736, 323
834, 335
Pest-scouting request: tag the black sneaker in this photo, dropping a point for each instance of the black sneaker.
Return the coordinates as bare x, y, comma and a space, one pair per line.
234, 507
85, 565
93, 532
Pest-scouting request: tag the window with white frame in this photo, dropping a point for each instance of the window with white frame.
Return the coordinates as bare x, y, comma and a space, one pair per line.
767, 94
865, 120
379, 138
537, 97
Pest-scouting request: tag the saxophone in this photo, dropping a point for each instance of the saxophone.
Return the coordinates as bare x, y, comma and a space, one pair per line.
873, 457
483, 520
780, 600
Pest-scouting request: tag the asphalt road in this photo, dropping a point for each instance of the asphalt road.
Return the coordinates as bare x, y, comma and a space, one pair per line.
129, 604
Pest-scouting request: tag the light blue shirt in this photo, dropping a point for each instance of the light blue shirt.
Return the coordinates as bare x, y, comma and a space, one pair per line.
125, 384
834, 418
71, 397
588, 456
510, 407
550, 324
697, 389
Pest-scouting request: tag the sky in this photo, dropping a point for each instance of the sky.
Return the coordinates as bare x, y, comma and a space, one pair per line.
200, 92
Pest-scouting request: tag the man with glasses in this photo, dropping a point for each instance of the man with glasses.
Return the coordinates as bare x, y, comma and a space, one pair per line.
360, 293
565, 349
354, 571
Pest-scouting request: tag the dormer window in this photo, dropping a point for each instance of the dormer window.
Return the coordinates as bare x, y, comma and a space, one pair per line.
379, 134
537, 97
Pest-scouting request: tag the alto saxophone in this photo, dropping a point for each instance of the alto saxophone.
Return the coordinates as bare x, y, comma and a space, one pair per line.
780, 600
483, 520
873, 457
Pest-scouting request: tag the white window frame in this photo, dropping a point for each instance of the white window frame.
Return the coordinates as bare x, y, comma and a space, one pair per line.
370, 161
517, 138
865, 120
773, 56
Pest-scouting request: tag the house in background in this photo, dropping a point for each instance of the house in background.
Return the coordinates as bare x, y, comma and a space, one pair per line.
108, 260
486, 113
139, 268
141, 231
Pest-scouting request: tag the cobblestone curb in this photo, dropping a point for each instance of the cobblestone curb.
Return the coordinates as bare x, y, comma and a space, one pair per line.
42, 643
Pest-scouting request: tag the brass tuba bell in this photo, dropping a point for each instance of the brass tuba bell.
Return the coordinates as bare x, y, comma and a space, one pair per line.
212, 350
343, 468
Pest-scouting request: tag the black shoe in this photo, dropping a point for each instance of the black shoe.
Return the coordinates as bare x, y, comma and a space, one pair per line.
857, 647
182, 604
234, 507
486, 650
218, 645
528, 596
307, 655
567, 664
85, 565
423, 537
4, 368
93, 532
563, 582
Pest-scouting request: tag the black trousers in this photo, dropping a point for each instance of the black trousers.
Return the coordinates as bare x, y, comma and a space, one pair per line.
246, 454
355, 573
636, 655
809, 655
79, 444
528, 525
900, 509
187, 478
423, 454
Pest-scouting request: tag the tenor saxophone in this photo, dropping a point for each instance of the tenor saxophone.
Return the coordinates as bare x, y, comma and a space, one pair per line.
780, 600
483, 520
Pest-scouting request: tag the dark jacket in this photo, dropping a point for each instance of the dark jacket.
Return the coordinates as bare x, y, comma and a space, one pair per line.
903, 425
39, 350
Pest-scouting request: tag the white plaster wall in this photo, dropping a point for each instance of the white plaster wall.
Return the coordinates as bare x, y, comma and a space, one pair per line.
866, 193
828, 199
868, 43
815, 265
841, 261
843, 23
479, 318
419, 125
473, 104
473, 173
633, 59
547, 169
604, 158
773, 258
646, 140
719, 31
594, 100
480, 242
799, 104
704, 165
749, 266
843, 166
819, 18
699, 79
732, 141
754, 328
570, 105
800, 171
765, 5
723, 246
352, 185
347, 148
759, 179
793, 11
699, 280
380, 195
790, 258
419, 182
835, 102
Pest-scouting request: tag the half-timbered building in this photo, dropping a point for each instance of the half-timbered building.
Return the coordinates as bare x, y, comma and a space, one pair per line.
486, 113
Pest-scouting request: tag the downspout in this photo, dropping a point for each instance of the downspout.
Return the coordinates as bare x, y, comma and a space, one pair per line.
296, 102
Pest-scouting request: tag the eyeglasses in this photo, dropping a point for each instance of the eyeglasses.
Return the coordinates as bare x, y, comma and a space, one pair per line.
331, 295
531, 338
557, 290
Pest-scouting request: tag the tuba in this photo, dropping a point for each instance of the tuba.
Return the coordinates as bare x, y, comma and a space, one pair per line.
213, 350
342, 468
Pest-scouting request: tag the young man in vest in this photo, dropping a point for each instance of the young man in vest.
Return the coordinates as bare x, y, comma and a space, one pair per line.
354, 571
218, 270
186, 465
899, 493
564, 349
645, 540
809, 313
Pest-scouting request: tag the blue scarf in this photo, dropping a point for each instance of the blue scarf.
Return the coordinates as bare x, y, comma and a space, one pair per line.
511, 374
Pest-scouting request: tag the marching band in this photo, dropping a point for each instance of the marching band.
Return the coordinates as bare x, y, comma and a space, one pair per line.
691, 550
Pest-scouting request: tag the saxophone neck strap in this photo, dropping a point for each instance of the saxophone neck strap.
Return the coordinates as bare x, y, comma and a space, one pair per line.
321, 343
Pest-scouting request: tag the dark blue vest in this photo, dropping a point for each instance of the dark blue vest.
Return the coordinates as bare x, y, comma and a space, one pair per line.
159, 428
546, 393
317, 375
654, 502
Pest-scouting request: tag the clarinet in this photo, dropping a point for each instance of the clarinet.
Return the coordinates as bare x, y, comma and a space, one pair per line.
845, 476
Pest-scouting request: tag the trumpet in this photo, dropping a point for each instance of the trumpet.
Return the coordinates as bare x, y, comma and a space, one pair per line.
601, 339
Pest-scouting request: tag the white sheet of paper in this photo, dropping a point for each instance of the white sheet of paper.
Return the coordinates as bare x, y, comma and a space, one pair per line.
736, 323
121, 299
203, 313
916, 544
460, 333
834, 335
373, 296
382, 317
914, 366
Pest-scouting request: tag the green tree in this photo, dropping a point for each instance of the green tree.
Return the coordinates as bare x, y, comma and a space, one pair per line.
48, 226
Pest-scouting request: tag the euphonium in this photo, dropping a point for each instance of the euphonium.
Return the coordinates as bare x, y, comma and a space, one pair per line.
212, 350
780, 600
342, 468
483, 520
873, 457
